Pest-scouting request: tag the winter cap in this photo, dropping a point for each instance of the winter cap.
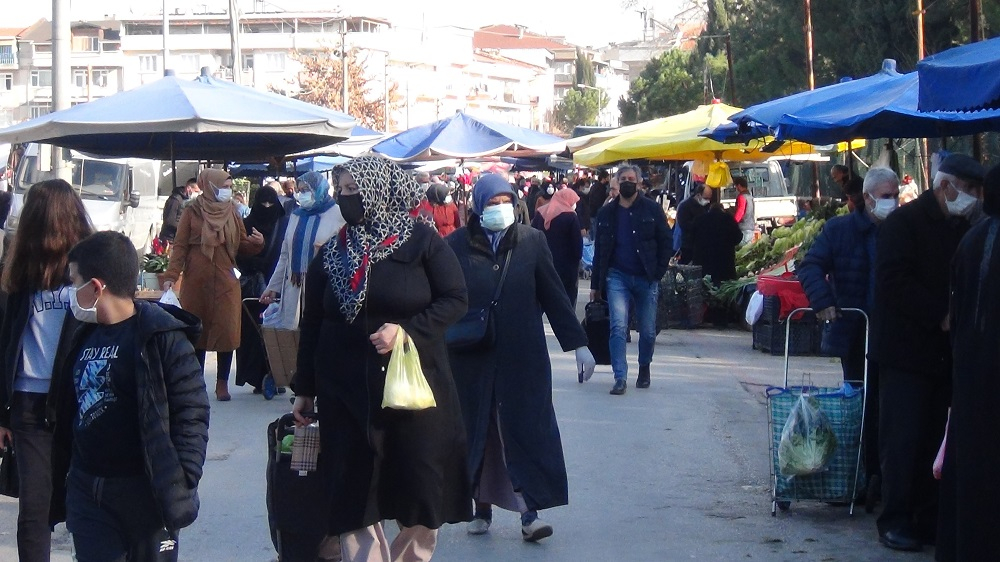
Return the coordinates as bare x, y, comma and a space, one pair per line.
963, 167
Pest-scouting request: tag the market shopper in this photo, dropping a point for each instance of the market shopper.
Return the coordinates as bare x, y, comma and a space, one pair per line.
560, 224
382, 272
209, 237
34, 340
746, 214
970, 491
631, 254
443, 209
688, 212
716, 236
174, 207
597, 197
910, 343
505, 387
839, 272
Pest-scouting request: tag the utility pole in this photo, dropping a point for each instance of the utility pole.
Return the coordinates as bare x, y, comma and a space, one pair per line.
60, 71
732, 78
343, 64
809, 44
976, 22
920, 30
166, 33
234, 37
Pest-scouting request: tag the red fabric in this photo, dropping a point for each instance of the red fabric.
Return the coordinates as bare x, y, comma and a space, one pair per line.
446, 218
788, 290
741, 207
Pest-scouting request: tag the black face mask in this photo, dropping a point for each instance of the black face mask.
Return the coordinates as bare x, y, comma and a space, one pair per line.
627, 189
352, 208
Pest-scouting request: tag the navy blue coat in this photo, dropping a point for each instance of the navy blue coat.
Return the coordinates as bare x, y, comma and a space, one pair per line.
839, 270
653, 239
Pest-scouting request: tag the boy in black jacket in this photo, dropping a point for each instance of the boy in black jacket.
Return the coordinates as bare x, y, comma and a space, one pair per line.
134, 425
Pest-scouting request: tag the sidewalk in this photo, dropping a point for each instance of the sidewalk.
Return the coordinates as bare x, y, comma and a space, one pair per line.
675, 472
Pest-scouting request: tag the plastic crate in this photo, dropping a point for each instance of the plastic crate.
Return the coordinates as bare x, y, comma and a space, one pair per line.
772, 310
770, 338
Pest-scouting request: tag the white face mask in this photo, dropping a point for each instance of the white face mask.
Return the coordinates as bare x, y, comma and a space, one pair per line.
498, 217
702, 201
224, 194
962, 205
88, 315
305, 199
194, 195
883, 207
448, 200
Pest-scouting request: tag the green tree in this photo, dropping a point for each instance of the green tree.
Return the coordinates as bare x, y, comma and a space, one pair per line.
578, 108
584, 70
675, 82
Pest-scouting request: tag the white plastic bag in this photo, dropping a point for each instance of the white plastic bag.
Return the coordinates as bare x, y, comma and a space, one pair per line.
271, 317
170, 297
755, 308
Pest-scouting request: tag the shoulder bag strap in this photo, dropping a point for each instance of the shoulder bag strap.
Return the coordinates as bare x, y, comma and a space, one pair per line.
503, 276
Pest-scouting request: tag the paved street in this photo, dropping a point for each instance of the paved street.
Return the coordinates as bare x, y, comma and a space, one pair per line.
675, 472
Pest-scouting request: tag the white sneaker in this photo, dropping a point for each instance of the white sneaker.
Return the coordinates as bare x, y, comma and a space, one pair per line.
536, 531
478, 526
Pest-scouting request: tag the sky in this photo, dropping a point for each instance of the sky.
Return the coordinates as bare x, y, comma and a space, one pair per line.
587, 23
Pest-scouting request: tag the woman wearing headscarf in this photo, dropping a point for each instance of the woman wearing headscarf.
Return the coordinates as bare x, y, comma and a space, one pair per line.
265, 214
561, 225
385, 270
209, 236
443, 209
315, 221
515, 452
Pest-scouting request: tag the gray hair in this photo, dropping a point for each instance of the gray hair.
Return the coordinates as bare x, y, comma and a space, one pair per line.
628, 168
422, 176
879, 176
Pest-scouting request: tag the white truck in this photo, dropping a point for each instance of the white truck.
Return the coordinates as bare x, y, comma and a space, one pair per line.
124, 195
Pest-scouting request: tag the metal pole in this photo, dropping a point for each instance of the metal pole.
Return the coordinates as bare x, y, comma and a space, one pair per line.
385, 94
234, 37
343, 64
166, 33
732, 77
809, 44
920, 30
60, 70
976, 22
925, 160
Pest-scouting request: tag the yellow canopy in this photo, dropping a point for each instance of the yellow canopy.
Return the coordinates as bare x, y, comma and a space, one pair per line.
676, 138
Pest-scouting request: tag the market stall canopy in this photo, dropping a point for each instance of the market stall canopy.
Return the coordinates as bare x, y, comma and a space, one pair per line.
961, 79
586, 141
677, 138
887, 111
200, 119
463, 136
361, 142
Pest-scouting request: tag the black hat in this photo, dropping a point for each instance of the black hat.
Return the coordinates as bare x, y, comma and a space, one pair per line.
963, 167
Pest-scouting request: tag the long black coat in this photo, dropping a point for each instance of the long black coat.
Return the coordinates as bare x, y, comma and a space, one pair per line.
915, 245
566, 244
716, 236
970, 489
382, 463
515, 376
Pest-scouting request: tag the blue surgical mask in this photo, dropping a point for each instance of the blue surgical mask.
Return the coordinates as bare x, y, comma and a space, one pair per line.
305, 199
224, 194
498, 217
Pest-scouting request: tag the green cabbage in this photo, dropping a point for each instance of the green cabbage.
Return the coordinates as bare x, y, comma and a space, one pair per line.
807, 440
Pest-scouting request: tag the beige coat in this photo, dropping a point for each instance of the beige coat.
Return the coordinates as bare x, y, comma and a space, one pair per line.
210, 290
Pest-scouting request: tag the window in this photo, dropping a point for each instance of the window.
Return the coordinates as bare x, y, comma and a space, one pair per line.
41, 78
37, 110
99, 78
190, 62
80, 78
86, 44
7, 54
148, 63
247, 63
275, 61
6, 82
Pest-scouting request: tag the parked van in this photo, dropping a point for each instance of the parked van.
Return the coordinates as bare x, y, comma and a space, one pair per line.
774, 203
124, 195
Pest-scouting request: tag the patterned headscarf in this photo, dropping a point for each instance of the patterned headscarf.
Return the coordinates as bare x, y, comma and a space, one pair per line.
390, 197
306, 228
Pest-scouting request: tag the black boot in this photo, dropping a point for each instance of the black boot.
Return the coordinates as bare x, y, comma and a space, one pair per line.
642, 381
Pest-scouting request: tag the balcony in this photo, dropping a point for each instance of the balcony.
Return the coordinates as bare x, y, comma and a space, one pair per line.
561, 78
8, 59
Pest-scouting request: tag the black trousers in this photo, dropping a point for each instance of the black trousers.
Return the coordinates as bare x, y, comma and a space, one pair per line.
33, 449
912, 417
853, 365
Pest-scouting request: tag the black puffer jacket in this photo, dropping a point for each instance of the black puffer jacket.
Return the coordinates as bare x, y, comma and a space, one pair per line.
173, 408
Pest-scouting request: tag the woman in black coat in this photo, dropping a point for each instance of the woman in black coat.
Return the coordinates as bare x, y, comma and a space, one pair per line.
715, 237
382, 271
561, 225
515, 452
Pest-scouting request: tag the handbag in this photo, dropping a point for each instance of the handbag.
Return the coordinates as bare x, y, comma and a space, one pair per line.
477, 329
406, 386
8, 473
597, 325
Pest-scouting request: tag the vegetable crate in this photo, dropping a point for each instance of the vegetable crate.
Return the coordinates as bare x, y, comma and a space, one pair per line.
844, 407
681, 301
770, 338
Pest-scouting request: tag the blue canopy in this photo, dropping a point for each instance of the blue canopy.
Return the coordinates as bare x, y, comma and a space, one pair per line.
464, 136
196, 119
888, 110
963, 78
297, 166
539, 163
770, 112
730, 133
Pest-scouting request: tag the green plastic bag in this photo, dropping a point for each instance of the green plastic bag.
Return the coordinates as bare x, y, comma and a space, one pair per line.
807, 440
406, 387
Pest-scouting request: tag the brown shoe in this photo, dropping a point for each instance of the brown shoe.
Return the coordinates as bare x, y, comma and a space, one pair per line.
222, 391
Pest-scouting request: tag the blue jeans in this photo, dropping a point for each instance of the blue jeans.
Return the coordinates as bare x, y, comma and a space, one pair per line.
622, 288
